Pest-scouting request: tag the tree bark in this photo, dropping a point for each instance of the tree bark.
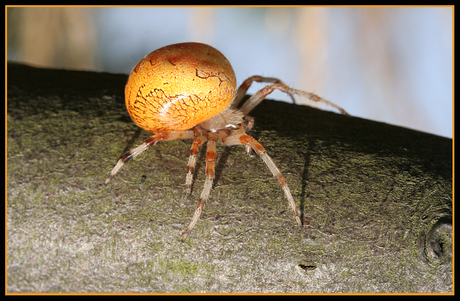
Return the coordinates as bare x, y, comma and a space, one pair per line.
375, 200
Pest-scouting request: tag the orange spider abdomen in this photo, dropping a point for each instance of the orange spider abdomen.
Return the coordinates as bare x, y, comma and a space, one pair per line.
176, 87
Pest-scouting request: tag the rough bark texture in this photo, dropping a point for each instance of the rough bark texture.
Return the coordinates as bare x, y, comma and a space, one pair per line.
375, 199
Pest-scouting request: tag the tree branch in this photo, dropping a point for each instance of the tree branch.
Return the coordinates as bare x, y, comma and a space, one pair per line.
375, 200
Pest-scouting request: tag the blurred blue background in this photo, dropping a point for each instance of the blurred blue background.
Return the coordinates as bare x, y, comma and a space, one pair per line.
390, 64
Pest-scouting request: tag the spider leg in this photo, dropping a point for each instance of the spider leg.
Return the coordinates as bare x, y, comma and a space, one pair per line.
257, 97
247, 127
192, 161
248, 82
143, 147
210, 160
244, 139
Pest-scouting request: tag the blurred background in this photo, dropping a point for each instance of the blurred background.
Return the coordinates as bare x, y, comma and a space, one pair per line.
390, 64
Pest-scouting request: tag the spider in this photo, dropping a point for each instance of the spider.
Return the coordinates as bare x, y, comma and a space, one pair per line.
188, 91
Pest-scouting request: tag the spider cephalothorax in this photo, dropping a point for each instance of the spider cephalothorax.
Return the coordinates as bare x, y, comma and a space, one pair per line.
188, 91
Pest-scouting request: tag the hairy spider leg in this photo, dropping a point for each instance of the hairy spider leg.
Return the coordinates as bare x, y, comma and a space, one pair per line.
173, 135
248, 82
248, 126
257, 97
244, 139
192, 161
210, 160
